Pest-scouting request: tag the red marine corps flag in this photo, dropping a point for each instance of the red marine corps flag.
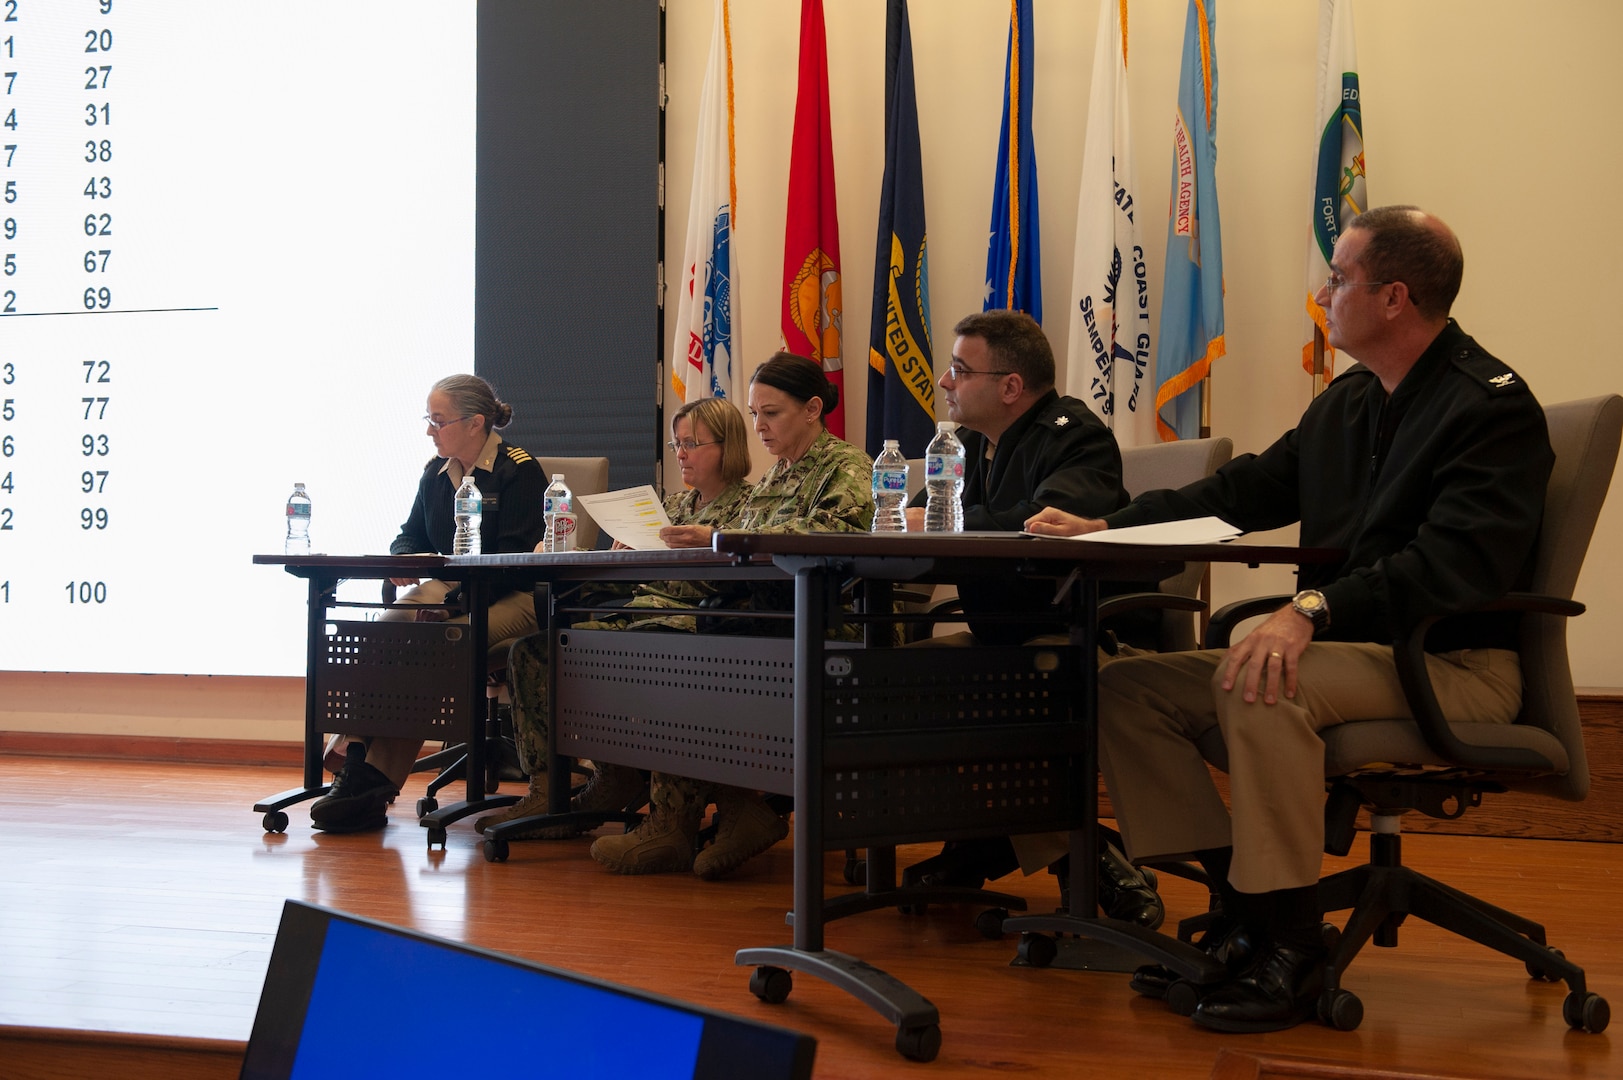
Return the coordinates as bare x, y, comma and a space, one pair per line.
812, 309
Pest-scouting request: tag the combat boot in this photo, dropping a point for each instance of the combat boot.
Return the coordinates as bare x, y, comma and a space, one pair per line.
611, 789
534, 802
745, 827
662, 844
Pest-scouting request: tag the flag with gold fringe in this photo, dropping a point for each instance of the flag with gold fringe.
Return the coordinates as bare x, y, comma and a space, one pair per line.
901, 376
1191, 336
812, 307
1338, 167
1014, 273
706, 316
1111, 344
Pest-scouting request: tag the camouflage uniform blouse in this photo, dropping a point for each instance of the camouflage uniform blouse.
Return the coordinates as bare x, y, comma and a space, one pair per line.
830, 489
682, 508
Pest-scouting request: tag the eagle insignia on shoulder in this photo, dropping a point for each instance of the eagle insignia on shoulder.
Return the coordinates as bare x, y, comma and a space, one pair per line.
1503, 380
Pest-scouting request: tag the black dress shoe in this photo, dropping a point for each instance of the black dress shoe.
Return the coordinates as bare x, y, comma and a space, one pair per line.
1125, 893
358, 799
1226, 942
966, 864
1279, 990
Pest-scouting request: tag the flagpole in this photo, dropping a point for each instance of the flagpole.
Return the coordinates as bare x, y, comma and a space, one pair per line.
1318, 360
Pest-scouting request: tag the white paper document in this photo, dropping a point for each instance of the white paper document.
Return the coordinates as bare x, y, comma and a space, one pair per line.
632, 516
1206, 530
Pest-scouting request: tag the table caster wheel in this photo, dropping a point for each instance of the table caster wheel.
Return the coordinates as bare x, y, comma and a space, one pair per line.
1182, 997
426, 806
771, 984
275, 821
493, 779
1586, 1012
1038, 950
855, 871
919, 1043
495, 850
1341, 1009
990, 923
1535, 970
436, 835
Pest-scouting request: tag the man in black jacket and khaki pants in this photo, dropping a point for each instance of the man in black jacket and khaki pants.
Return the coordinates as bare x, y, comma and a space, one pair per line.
1427, 462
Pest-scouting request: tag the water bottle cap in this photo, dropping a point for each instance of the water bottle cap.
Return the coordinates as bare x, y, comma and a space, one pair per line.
946, 425
557, 476
893, 444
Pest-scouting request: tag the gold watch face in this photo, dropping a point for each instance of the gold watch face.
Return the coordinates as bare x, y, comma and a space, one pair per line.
1309, 602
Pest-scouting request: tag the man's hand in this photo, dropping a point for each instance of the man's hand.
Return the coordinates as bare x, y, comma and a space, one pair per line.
1268, 655
915, 518
686, 536
1051, 521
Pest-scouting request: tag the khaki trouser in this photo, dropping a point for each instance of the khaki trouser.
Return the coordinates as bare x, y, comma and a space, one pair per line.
510, 617
1152, 709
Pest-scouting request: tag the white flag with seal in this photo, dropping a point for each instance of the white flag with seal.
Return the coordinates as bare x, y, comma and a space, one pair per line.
1112, 338
706, 322
1338, 168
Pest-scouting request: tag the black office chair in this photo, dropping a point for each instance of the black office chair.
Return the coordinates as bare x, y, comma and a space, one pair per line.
1442, 767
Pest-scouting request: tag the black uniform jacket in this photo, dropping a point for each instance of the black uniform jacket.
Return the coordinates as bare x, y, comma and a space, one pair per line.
513, 488
1435, 492
1058, 453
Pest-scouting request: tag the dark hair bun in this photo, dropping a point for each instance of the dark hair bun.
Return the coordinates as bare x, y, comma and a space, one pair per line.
800, 377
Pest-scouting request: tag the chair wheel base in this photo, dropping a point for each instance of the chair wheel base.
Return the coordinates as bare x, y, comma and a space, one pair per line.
1586, 1012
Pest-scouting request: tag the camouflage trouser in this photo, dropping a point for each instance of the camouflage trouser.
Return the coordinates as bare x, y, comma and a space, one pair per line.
678, 795
527, 682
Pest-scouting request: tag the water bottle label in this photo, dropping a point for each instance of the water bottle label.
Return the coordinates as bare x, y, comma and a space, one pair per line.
942, 466
469, 507
889, 481
298, 510
554, 505
561, 527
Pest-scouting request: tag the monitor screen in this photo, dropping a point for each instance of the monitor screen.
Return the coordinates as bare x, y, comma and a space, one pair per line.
347, 996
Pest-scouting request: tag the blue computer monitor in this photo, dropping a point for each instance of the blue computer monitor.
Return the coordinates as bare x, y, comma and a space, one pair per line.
346, 996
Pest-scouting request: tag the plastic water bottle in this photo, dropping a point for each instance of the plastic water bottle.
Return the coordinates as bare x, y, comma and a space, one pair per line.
890, 470
470, 515
944, 481
298, 522
560, 511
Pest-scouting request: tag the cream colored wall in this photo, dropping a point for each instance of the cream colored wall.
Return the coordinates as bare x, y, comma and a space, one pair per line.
1493, 113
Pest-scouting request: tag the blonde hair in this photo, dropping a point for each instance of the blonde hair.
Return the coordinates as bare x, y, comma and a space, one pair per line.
726, 423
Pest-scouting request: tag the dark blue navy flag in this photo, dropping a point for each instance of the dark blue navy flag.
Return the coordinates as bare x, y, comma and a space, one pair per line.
901, 376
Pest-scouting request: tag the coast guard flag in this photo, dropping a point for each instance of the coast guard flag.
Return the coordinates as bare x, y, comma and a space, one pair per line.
1192, 295
1111, 344
901, 379
1014, 273
701, 354
1338, 173
812, 308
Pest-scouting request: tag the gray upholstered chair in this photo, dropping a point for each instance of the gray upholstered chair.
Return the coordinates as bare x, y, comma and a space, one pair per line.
1442, 766
585, 476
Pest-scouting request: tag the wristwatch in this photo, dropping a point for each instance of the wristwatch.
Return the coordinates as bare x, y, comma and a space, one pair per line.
1312, 604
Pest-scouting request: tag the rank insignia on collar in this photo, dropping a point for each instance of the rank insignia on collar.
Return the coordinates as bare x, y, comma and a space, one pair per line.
1503, 380
1061, 421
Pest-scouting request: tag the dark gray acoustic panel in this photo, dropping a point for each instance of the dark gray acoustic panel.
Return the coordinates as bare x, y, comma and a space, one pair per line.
568, 226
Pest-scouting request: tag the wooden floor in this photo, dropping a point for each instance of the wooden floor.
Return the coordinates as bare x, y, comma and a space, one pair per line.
144, 898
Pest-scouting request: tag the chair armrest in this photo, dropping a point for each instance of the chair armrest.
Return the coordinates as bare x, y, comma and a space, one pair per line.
1125, 602
1223, 621
1409, 652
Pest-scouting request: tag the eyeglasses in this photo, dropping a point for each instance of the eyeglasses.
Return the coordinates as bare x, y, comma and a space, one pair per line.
441, 425
1332, 283
691, 445
959, 372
